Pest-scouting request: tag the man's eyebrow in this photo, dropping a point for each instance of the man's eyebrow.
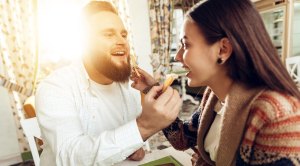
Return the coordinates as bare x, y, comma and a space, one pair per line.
108, 30
114, 30
124, 31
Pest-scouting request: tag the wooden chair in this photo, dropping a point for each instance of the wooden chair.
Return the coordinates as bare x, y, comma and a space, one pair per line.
31, 130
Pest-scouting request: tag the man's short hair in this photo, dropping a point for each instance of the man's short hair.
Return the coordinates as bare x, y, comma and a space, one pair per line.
94, 7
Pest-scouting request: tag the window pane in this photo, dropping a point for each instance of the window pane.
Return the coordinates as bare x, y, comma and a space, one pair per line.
296, 30
274, 23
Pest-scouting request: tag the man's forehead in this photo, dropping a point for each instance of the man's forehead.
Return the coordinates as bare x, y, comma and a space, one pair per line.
106, 20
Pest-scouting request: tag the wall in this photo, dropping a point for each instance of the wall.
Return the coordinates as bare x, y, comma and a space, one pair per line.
139, 15
9, 147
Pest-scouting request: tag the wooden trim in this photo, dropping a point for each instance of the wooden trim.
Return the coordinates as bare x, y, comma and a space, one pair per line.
288, 43
264, 5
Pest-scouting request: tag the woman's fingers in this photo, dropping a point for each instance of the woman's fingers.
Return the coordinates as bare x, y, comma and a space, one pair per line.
148, 78
142, 72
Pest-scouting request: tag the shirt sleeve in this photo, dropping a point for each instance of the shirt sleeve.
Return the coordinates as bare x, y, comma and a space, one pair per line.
61, 129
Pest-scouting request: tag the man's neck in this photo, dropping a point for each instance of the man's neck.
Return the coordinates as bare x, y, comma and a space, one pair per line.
95, 75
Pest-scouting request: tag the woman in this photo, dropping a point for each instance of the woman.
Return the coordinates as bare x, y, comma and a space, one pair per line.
250, 112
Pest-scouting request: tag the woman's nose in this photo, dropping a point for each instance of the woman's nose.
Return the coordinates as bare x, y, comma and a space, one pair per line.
179, 55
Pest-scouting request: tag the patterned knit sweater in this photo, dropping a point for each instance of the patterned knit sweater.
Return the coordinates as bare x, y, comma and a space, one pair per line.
271, 136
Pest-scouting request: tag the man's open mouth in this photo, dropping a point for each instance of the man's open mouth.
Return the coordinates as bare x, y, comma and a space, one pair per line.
118, 53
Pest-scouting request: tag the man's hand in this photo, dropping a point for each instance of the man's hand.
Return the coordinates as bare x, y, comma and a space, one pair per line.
159, 111
137, 155
143, 81
195, 158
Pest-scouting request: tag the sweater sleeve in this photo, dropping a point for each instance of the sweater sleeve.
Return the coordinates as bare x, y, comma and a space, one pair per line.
183, 135
272, 136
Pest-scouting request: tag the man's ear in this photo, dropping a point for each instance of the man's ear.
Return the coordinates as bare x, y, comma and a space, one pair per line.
225, 49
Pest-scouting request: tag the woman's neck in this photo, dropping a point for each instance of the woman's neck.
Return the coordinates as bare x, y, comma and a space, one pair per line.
221, 87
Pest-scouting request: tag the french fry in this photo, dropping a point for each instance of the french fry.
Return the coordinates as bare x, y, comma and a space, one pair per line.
170, 79
134, 65
136, 72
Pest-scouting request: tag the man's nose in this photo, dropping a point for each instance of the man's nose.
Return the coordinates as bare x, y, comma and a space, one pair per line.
121, 40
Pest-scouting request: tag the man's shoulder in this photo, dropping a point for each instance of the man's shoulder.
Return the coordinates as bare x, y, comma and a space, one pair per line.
61, 75
63, 78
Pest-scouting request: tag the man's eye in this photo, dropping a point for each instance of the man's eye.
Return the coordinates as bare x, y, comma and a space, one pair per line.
124, 36
108, 34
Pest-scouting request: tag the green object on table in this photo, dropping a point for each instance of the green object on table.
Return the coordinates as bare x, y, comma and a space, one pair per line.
168, 160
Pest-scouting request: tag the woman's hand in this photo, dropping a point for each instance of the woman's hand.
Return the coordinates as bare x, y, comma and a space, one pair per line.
137, 155
143, 81
159, 110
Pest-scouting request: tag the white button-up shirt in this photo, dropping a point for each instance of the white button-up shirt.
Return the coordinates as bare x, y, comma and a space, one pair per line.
77, 126
212, 139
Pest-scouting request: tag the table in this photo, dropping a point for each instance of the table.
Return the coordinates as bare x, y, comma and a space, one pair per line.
182, 157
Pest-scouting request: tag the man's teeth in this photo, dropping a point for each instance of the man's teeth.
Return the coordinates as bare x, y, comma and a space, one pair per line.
119, 53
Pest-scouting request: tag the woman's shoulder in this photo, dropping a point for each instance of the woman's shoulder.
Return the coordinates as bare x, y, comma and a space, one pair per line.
273, 105
272, 134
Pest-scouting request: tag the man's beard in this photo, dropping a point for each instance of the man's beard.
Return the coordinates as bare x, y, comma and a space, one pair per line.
117, 73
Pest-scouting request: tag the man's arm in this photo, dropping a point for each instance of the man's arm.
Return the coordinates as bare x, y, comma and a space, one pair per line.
62, 130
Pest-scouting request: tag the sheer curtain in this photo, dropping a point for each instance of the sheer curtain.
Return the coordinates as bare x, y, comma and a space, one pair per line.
160, 12
18, 52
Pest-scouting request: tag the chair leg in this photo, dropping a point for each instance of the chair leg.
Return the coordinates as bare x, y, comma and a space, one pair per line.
34, 150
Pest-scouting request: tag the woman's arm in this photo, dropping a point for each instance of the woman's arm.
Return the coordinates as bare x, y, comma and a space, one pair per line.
183, 134
273, 133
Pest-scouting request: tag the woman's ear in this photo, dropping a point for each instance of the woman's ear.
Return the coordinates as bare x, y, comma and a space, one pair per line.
225, 49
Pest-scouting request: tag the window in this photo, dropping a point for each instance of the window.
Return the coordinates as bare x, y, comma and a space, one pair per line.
177, 22
296, 30
274, 23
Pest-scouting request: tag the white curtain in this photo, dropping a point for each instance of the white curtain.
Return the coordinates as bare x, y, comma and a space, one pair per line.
123, 9
18, 52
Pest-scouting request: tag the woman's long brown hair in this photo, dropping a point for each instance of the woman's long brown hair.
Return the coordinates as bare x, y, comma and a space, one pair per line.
254, 61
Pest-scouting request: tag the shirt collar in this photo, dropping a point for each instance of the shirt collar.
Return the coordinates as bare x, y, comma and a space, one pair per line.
83, 75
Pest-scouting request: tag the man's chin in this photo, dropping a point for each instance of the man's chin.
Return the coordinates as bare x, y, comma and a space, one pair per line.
120, 74
119, 58
116, 69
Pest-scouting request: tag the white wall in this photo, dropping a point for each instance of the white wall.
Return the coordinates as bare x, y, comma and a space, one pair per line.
9, 147
139, 15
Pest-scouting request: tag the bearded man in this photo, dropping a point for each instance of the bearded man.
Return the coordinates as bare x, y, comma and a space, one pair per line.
87, 111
